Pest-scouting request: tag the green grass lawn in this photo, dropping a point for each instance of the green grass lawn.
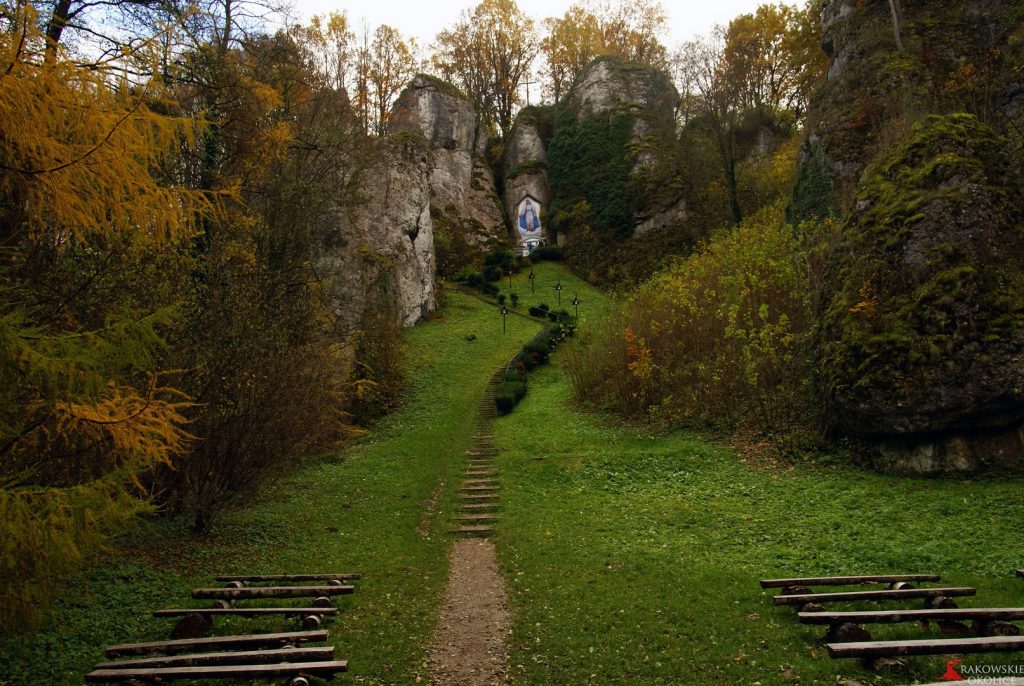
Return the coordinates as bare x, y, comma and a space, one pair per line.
379, 507
593, 304
634, 558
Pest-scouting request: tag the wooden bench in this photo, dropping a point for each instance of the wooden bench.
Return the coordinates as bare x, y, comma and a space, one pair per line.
245, 611
186, 645
1020, 573
229, 658
325, 669
976, 614
949, 646
852, 596
260, 578
847, 580
257, 592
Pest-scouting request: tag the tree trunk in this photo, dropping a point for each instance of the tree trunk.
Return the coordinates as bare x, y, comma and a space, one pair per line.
896, 11
55, 27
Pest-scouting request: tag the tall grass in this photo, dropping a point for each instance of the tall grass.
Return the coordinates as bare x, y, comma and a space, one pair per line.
721, 339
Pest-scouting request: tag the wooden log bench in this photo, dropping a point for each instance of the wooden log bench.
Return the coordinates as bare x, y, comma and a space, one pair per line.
948, 646
186, 645
246, 657
261, 592
310, 617
988, 621
245, 611
847, 580
1020, 573
262, 578
887, 594
326, 669
976, 614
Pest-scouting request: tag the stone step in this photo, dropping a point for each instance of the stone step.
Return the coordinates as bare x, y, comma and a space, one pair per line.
491, 497
490, 505
477, 517
480, 484
479, 472
475, 530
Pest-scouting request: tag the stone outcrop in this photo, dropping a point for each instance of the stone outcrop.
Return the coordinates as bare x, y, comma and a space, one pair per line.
604, 163
381, 252
957, 56
921, 338
424, 197
464, 207
525, 164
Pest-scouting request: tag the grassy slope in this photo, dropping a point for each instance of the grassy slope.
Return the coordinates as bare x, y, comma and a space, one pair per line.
634, 559
379, 507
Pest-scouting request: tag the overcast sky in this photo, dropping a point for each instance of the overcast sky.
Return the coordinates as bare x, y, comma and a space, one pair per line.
424, 18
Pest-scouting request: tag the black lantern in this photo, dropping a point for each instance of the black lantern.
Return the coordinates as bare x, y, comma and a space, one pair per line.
533, 288
576, 304
504, 314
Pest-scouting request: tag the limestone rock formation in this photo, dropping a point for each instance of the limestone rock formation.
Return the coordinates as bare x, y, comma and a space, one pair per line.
958, 56
922, 330
381, 252
922, 343
424, 197
606, 161
464, 207
525, 163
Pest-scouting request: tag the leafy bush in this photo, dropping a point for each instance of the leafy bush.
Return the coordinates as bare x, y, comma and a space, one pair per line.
551, 253
468, 274
509, 394
721, 339
493, 273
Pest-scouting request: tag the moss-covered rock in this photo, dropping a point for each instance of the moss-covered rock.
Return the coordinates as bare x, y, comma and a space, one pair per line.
922, 331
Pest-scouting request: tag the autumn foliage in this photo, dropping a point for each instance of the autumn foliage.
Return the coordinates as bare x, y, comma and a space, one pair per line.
165, 343
721, 340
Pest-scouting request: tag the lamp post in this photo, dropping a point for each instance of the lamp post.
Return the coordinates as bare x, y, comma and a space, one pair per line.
576, 304
510, 279
504, 314
558, 289
533, 286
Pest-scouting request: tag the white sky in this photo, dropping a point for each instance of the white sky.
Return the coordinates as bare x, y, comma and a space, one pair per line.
423, 19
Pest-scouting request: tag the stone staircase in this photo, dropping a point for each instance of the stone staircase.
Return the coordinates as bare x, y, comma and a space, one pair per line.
478, 507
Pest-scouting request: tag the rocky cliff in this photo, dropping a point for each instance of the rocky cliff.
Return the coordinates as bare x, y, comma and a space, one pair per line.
426, 203
918, 152
464, 206
605, 163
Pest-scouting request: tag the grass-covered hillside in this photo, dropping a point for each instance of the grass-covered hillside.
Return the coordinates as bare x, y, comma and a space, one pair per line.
380, 508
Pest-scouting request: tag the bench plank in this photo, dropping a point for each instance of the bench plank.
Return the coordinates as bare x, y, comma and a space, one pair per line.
900, 594
845, 580
1006, 614
252, 592
185, 645
218, 672
949, 646
255, 578
238, 657
246, 611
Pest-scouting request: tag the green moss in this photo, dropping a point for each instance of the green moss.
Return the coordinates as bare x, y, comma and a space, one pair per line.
530, 167
444, 86
914, 298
